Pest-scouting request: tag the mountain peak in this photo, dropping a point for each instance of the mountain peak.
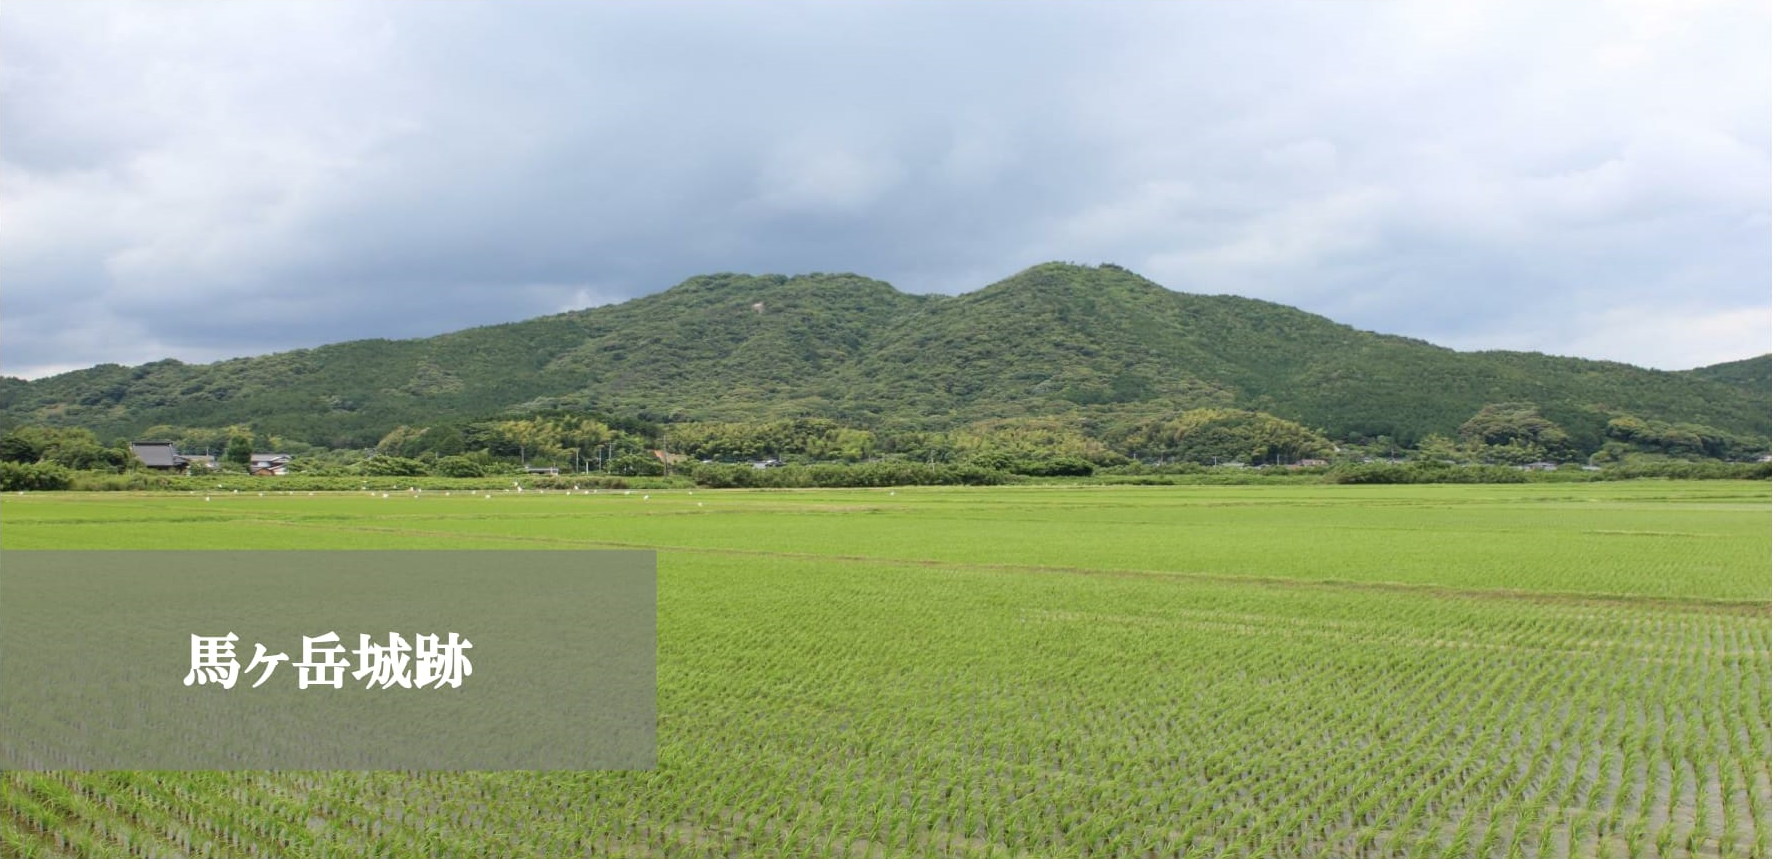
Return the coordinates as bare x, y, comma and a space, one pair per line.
1061, 277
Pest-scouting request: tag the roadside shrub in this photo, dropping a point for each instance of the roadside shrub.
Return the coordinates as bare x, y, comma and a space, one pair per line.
1424, 472
136, 481
458, 466
1059, 466
391, 466
604, 481
868, 474
1372, 474
719, 476
1681, 470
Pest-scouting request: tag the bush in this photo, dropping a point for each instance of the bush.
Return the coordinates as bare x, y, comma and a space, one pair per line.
870, 474
33, 476
993, 460
637, 465
392, 466
1680, 470
1059, 466
1424, 472
604, 481
138, 481
458, 466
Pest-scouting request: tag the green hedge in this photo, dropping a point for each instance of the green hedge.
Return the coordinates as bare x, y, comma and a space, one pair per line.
46, 476
101, 482
1425, 472
1703, 470
715, 476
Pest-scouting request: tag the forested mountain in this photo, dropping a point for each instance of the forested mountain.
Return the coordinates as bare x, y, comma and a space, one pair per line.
1098, 344
1754, 375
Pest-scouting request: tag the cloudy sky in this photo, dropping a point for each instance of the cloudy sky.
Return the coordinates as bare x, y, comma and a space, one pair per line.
205, 180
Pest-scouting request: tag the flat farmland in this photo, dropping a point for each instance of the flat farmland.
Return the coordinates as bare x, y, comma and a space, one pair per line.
1551, 670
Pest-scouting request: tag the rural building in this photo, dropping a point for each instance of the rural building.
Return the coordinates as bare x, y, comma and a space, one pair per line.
159, 455
201, 461
268, 464
1540, 466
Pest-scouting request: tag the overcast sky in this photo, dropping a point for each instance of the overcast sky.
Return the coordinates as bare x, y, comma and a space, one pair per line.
213, 179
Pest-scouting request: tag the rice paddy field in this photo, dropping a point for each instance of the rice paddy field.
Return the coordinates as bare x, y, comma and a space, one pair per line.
1575, 670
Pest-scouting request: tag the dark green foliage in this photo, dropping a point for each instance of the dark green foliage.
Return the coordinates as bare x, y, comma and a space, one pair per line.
1509, 434
1628, 434
1058, 466
239, 450
36, 476
1215, 436
393, 466
814, 438
1678, 470
1101, 349
1509, 423
458, 466
1425, 472
1030, 464
202, 484
717, 476
636, 465
18, 446
133, 481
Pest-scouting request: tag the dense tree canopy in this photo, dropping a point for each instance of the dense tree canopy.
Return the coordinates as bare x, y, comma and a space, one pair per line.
1214, 436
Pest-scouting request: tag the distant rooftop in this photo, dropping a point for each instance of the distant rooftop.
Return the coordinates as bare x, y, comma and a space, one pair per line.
157, 454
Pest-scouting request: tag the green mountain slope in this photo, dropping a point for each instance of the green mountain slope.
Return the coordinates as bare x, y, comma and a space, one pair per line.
1751, 374
1098, 343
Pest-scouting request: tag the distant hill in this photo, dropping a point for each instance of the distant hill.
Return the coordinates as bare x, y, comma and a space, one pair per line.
1099, 343
1754, 375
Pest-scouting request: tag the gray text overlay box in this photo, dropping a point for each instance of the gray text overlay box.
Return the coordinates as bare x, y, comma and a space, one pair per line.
96, 649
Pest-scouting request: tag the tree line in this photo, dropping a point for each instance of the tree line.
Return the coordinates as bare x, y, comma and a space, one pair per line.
1501, 434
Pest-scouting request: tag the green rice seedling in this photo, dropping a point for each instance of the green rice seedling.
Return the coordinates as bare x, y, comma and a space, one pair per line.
1031, 671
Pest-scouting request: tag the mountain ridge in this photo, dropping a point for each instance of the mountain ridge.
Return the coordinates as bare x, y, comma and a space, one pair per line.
1095, 343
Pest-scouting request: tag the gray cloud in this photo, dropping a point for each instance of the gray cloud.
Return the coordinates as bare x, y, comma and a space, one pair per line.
205, 180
